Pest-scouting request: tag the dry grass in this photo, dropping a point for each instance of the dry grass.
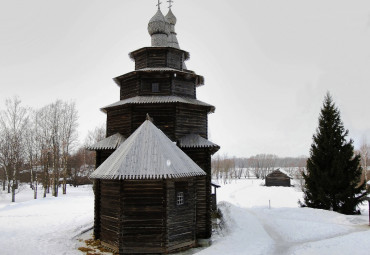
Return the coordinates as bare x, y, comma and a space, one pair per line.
94, 247
85, 249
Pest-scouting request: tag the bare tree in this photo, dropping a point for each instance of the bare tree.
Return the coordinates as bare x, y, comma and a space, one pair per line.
216, 166
95, 135
3, 173
31, 149
43, 141
68, 136
13, 121
364, 151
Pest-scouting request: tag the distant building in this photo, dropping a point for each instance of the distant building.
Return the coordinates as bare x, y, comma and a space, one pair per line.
277, 178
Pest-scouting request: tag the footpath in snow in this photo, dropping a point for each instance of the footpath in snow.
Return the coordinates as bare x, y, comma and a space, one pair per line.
254, 228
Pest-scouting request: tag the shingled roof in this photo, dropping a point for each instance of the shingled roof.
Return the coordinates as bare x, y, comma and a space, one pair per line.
147, 154
109, 143
158, 99
195, 141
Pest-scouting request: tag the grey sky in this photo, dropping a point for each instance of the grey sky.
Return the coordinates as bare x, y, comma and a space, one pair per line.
267, 63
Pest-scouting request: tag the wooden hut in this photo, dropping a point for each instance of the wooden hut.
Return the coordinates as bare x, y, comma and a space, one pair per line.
163, 87
145, 195
277, 178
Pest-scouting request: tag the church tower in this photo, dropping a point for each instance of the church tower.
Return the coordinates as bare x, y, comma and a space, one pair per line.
163, 90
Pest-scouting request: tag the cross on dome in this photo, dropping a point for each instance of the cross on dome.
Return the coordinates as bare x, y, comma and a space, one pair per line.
159, 4
170, 3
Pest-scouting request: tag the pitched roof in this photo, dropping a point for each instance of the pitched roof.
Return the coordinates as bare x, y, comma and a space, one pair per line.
147, 154
158, 99
109, 143
277, 173
195, 141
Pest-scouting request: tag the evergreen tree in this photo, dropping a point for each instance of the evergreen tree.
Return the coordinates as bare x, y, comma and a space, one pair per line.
333, 174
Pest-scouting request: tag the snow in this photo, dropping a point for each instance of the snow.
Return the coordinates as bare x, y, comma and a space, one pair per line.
257, 220
284, 227
46, 225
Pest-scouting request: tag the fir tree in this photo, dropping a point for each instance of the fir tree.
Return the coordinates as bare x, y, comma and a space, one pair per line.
333, 171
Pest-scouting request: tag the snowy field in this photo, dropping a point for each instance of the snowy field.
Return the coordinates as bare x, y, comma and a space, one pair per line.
54, 225
47, 225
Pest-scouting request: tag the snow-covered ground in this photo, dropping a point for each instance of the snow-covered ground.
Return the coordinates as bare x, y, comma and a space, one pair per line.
258, 220
252, 227
47, 225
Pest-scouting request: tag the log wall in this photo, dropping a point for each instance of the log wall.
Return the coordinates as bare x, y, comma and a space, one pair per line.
184, 88
130, 87
174, 59
143, 217
278, 181
163, 116
110, 212
191, 119
101, 156
202, 157
119, 121
181, 218
164, 87
97, 196
151, 57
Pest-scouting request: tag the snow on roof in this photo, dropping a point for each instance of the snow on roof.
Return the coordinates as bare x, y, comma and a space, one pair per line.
147, 154
109, 143
158, 99
195, 141
278, 173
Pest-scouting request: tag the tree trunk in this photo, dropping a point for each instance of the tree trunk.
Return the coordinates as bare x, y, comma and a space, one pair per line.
64, 187
31, 183
13, 191
35, 188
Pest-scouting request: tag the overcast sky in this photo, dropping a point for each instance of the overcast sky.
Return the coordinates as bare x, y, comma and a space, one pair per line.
267, 64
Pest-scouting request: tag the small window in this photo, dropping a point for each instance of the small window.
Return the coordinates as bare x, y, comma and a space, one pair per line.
155, 87
180, 198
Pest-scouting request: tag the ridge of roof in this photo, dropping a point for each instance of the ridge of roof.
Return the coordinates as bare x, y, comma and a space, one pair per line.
147, 154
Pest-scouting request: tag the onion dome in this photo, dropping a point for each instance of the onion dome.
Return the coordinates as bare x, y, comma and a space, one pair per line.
159, 29
172, 39
171, 18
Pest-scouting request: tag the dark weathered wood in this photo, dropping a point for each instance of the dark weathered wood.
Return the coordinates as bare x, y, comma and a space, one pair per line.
277, 178
191, 119
142, 216
119, 121
101, 156
159, 57
109, 212
97, 223
181, 218
130, 87
202, 156
181, 87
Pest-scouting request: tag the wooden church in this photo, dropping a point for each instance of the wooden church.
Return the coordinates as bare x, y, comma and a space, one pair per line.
153, 176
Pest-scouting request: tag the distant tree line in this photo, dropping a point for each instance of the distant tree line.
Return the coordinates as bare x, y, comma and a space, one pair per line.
226, 168
42, 144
